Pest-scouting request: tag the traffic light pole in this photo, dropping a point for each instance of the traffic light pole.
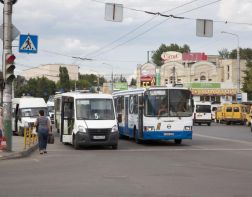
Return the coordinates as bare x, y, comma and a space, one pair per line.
7, 92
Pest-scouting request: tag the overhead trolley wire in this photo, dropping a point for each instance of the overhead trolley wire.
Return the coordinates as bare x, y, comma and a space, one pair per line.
154, 26
135, 29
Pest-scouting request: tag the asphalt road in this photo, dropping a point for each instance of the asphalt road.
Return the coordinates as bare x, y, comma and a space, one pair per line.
216, 163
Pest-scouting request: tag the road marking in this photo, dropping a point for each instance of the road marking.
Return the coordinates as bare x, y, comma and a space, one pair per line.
183, 149
225, 139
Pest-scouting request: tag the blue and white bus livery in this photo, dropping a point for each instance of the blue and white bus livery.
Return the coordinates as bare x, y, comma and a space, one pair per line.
157, 113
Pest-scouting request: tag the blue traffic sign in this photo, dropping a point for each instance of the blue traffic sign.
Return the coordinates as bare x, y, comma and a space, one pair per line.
28, 43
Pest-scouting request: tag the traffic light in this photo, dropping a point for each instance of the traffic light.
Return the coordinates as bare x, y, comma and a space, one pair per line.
9, 68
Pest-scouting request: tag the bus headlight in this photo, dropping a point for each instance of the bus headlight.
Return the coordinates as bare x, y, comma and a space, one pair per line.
81, 129
114, 129
187, 128
149, 128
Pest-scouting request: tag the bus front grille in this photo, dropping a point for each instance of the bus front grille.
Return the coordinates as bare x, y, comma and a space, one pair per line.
98, 134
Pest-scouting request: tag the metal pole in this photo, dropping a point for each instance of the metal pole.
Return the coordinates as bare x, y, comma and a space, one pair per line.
7, 92
239, 68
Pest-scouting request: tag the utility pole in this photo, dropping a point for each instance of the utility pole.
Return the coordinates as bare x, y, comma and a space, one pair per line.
7, 92
173, 76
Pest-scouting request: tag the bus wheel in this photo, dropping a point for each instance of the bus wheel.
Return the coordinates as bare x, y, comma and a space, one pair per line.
75, 143
178, 141
138, 141
209, 123
114, 147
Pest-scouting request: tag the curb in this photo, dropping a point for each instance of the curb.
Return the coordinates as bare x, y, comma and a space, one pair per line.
20, 154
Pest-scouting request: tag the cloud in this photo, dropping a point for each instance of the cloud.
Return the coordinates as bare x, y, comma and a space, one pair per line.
236, 10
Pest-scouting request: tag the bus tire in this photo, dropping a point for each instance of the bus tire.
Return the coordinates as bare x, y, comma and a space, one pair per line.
136, 139
178, 141
114, 147
75, 143
209, 123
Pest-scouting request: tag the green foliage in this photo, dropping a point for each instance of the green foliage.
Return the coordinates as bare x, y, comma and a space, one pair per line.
156, 57
133, 82
39, 87
64, 81
224, 53
247, 84
245, 53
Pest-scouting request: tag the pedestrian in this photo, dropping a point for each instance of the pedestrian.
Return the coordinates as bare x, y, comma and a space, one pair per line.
43, 125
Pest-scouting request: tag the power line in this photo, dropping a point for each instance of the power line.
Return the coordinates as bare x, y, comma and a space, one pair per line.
151, 28
135, 29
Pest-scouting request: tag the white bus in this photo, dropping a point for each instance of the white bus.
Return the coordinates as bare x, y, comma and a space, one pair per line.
25, 110
85, 119
157, 113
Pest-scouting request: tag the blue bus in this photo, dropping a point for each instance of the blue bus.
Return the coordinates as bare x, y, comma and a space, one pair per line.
156, 113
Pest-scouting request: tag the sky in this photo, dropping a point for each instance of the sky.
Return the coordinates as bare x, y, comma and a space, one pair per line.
76, 28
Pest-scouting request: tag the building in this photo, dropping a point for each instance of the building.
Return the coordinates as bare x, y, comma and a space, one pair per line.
51, 71
209, 77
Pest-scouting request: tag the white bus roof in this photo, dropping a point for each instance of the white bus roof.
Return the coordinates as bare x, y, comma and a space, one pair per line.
78, 95
141, 90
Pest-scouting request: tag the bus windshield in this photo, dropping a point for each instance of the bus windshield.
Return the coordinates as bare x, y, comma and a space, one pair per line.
95, 109
172, 103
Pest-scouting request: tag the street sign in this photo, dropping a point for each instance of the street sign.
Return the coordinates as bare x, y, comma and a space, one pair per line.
15, 32
28, 43
239, 97
204, 28
113, 12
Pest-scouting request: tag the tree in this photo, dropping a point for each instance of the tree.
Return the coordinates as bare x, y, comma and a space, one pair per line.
247, 83
245, 53
156, 57
224, 53
37, 87
133, 82
64, 82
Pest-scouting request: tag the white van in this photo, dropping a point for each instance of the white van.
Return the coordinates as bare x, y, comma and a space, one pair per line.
85, 119
202, 113
25, 111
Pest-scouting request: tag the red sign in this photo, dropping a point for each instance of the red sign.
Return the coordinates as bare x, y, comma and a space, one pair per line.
194, 57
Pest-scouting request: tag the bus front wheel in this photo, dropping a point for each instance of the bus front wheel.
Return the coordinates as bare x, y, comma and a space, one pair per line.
76, 143
114, 147
178, 141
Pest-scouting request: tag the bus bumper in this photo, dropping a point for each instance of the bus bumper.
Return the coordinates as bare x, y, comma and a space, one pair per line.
167, 135
84, 139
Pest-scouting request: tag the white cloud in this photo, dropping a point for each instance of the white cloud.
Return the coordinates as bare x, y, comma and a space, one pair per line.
236, 10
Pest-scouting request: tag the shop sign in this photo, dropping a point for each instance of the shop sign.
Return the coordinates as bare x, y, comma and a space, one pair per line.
205, 85
171, 56
120, 86
194, 57
214, 92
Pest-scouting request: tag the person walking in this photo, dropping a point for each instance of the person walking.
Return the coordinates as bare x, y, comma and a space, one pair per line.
43, 125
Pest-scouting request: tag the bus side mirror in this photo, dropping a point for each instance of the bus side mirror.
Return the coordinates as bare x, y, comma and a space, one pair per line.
119, 118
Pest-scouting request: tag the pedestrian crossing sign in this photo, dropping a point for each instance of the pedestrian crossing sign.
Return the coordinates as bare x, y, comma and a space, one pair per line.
28, 43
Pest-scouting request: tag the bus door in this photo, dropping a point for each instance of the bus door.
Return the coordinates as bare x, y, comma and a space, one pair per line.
126, 118
140, 116
67, 119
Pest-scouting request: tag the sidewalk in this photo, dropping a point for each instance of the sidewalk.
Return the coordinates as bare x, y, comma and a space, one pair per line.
18, 150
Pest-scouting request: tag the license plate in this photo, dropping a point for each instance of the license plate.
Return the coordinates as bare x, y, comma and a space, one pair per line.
99, 137
169, 134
